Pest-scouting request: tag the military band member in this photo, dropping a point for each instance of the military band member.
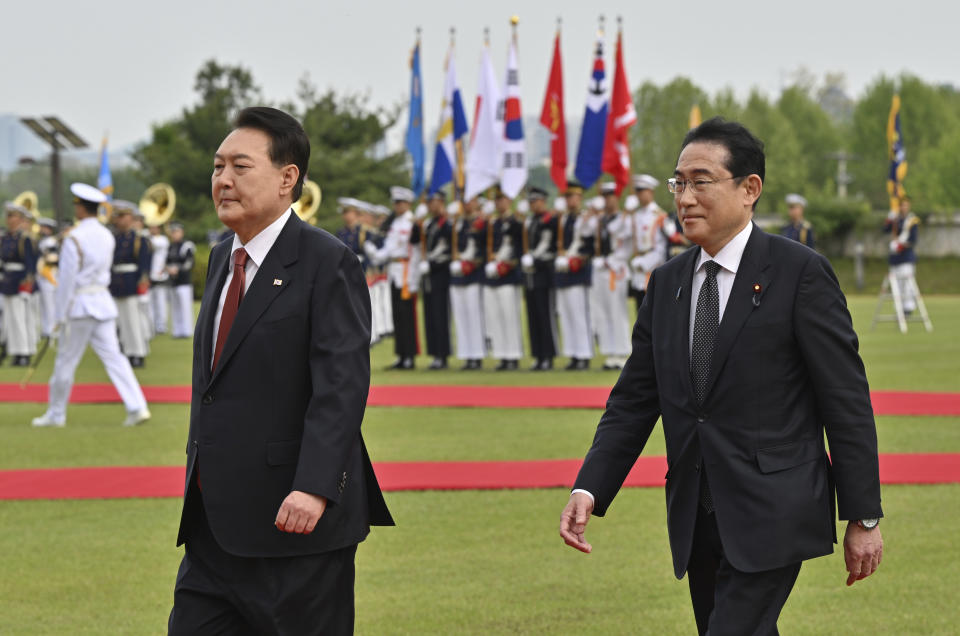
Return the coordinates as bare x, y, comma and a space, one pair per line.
372, 218
18, 253
159, 279
400, 252
902, 226
143, 299
540, 250
85, 313
502, 284
613, 334
180, 261
436, 252
798, 229
468, 237
651, 240
131, 271
48, 247
573, 275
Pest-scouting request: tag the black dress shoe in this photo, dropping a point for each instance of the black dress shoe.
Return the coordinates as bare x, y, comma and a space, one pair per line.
21, 361
136, 362
398, 364
573, 365
438, 364
536, 365
546, 364
406, 364
583, 364
503, 366
513, 365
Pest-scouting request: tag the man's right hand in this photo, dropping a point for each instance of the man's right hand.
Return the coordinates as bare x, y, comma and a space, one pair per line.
573, 521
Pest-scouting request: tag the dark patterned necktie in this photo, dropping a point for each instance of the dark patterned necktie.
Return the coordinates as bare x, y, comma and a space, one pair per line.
705, 326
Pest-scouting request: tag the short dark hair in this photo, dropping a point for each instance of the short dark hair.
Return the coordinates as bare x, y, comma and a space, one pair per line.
745, 154
288, 141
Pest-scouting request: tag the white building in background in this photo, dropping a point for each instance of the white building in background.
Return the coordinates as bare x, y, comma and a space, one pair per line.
16, 142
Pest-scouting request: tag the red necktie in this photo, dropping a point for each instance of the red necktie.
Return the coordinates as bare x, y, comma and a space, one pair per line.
232, 302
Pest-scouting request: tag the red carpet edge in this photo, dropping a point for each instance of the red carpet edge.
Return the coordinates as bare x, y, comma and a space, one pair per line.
124, 482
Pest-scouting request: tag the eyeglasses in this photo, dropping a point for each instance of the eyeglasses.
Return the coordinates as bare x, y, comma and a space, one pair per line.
697, 186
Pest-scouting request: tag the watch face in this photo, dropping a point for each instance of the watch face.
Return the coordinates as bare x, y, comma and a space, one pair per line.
869, 523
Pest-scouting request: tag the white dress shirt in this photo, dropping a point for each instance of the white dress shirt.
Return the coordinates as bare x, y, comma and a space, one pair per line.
257, 249
729, 260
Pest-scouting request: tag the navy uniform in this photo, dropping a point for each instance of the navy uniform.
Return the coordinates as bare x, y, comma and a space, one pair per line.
573, 275
798, 229
538, 265
468, 258
650, 248
902, 227
181, 257
611, 282
503, 280
436, 253
88, 313
129, 279
18, 255
48, 259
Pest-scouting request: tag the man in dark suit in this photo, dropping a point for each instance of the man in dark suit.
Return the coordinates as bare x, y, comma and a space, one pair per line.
279, 487
746, 349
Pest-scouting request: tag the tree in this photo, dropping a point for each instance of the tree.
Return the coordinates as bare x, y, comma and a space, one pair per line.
816, 134
786, 170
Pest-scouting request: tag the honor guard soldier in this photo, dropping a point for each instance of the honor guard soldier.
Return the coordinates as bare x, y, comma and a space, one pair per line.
180, 261
613, 333
573, 275
357, 228
47, 263
400, 252
159, 278
798, 229
86, 313
502, 284
651, 240
131, 270
373, 217
540, 250
902, 225
436, 251
351, 233
468, 237
18, 253
143, 299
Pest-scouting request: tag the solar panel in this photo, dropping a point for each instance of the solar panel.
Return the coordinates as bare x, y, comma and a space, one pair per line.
42, 132
66, 132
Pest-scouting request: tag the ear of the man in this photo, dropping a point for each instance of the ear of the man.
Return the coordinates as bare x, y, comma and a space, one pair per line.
289, 175
753, 186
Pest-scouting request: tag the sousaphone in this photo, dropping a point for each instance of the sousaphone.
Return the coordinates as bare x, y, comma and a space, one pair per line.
309, 202
28, 199
157, 204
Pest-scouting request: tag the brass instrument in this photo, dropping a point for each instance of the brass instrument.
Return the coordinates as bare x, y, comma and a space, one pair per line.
157, 204
309, 202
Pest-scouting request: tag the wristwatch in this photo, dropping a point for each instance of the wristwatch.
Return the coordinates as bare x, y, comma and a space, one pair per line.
868, 524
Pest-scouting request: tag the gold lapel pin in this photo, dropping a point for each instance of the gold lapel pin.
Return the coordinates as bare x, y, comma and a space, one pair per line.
277, 282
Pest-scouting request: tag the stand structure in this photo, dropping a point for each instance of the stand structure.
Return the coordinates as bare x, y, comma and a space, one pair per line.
890, 290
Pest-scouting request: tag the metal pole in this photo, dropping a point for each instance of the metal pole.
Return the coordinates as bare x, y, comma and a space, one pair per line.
57, 185
858, 264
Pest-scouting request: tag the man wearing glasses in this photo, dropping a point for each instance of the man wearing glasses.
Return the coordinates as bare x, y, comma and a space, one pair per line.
746, 349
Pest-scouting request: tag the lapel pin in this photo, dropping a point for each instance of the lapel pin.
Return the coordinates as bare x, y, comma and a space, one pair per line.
277, 282
756, 294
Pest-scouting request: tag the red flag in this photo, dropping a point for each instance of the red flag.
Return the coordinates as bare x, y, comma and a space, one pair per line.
616, 147
552, 117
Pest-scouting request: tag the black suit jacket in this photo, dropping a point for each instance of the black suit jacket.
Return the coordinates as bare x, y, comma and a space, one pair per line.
785, 369
282, 410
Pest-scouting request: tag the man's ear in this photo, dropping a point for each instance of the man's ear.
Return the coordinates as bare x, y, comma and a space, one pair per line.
289, 173
752, 187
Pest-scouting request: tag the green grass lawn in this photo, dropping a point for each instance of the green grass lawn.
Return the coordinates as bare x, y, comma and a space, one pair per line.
472, 561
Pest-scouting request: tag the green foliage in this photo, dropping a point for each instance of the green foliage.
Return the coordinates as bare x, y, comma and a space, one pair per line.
199, 274
128, 183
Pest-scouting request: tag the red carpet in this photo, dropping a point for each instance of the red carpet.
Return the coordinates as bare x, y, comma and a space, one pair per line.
884, 402
167, 481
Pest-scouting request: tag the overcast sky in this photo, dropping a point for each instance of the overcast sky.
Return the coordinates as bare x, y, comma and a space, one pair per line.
121, 66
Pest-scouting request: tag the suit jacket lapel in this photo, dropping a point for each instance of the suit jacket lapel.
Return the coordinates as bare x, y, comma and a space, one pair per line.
682, 297
753, 269
208, 308
264, 289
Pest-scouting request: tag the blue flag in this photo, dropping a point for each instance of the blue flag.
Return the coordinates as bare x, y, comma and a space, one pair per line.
104, 178
589, 165
415, 124
448, 159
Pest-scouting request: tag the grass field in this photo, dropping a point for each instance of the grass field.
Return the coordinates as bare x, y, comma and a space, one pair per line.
473, 561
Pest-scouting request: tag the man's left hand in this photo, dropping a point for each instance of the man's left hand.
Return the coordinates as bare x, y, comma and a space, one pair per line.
300, 512
862, 551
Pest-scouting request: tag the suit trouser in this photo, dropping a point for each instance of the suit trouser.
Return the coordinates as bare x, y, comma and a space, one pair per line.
17, 325
159, 300
467, 304
133, 341
903, 273
102, 337
436, 312
182, 311
573, 308
501, 309
540, 323
726, 600
47, 299
220, 593
405, 343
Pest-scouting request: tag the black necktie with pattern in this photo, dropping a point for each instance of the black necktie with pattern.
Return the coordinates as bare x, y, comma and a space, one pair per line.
705, 326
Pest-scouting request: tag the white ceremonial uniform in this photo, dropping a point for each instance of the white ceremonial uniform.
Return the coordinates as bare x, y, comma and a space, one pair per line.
159, 290
182, 297
613, 334
466, 301
502, 305
650, 243
47, 288
573, 306
87, 313
401, 259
